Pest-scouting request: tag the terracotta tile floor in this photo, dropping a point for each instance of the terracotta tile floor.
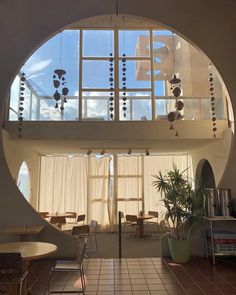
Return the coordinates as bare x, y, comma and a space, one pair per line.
143, 276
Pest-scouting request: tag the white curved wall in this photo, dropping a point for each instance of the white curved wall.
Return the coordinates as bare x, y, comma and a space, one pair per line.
210, 24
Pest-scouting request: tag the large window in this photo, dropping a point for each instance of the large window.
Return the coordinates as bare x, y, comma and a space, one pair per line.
117, 75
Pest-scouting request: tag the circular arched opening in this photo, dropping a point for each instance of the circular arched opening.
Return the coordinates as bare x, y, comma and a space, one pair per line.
205, 174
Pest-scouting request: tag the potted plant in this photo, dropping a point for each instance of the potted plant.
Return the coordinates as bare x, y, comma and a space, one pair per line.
184, 210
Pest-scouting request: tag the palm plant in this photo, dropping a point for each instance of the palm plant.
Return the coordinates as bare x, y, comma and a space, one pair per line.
184, 204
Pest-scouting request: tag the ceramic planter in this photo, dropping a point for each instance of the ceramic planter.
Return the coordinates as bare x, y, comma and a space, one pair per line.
179, 250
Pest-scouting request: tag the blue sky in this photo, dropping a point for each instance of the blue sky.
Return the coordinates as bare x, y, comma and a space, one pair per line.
62, 51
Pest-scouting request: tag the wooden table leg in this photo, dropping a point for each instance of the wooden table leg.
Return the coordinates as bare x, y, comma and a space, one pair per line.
140, 229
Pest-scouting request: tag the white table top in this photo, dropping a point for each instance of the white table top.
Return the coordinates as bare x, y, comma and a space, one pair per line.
29, 250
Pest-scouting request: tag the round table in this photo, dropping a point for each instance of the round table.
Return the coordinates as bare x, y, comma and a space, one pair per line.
29, 251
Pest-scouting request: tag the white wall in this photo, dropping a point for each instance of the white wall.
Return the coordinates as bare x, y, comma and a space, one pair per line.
210, 24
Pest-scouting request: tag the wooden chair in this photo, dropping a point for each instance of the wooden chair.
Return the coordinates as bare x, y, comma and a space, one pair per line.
11, 272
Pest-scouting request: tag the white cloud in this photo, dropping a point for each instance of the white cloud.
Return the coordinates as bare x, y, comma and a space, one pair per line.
33, 76
39, 66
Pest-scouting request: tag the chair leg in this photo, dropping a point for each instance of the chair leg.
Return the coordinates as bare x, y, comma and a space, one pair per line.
20, 289
46, 290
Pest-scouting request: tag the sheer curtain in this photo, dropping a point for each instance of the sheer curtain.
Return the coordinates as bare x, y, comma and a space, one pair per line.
98, 189
129, 184
63, 184
77, 183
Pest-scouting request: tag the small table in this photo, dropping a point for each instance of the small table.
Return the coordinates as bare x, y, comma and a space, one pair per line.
29, 251
140, 229
59, 218
22, 230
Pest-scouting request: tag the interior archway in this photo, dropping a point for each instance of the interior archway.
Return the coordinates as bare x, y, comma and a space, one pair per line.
205, 174
13, 58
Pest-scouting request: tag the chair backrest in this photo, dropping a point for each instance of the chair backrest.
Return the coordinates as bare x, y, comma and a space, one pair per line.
81, 218
132, 218
153, 213
93, 225
80, 229
10, 263
43, 214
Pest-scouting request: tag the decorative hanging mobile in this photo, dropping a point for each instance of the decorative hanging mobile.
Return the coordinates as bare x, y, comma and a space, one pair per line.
111, 80
213, 115
21, 105
59, 83
179, 105
124, 88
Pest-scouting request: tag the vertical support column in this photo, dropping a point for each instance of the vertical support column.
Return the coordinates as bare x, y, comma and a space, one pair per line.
120, 236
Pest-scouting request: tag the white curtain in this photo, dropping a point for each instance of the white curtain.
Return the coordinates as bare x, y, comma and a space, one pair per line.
163, 163
77, 183
98, 189
83, 184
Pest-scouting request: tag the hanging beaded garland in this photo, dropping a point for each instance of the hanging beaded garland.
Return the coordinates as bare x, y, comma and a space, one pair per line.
111, 80
124, 88
21, 104
213, 114
179, 105
59, 82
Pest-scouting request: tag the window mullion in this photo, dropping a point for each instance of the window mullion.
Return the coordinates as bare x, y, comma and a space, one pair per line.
116, 76
152, 76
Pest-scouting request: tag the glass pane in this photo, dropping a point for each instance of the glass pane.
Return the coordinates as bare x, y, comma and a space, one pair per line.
163, 54
96, 106
13, 116
134, 43
14, 94
137, 74
23, 181
48, 111
194, 108
96, 74
159, 88
98, 43
161, 109
137, 104
35, 106
61, 51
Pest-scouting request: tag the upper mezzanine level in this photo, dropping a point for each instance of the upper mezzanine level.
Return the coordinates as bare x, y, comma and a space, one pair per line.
122, 76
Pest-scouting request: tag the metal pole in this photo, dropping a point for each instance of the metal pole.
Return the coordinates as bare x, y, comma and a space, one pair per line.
120, 244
